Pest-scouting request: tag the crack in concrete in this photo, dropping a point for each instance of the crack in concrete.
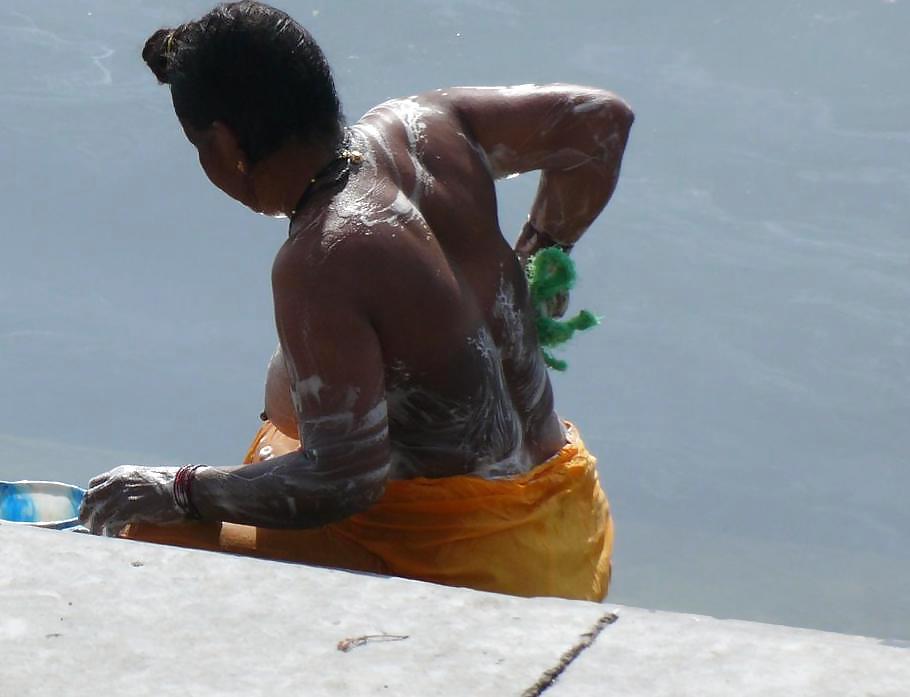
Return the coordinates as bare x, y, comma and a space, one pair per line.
545, 681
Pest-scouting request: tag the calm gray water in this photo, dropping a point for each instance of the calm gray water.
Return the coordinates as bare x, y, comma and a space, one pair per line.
749, 392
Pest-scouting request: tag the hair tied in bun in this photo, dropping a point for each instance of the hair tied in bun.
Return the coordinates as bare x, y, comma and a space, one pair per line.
159, 54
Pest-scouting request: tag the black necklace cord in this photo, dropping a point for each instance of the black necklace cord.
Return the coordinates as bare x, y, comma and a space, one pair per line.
334, 174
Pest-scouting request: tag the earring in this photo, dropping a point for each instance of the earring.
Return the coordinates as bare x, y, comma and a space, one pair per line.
241, 166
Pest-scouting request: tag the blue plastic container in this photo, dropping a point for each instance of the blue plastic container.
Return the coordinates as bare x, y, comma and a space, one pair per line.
41, 504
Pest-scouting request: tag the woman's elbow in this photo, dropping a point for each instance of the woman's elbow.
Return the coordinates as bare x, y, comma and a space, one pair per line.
625, 115
619, 112
609, 116
345, 499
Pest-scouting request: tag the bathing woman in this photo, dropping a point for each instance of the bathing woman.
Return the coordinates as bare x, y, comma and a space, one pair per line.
411, 427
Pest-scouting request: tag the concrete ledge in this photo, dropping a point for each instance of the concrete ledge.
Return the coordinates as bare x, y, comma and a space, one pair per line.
81, 615
664, 654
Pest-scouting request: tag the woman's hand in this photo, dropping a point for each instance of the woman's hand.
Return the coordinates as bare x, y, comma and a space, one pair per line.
556, 306
130, 494
531, 241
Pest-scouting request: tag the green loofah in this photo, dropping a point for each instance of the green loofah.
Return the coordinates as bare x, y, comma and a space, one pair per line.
550, 273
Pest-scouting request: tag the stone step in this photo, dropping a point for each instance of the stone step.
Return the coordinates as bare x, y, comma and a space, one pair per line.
83, 615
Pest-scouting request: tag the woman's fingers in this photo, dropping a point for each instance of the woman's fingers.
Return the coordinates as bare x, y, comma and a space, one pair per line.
99, 479
92, 512
98, 501
557, 305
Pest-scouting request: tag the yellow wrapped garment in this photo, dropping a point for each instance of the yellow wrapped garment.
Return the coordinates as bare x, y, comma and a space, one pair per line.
547, 532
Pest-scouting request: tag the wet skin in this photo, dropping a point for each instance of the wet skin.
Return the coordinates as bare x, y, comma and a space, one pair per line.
407, 343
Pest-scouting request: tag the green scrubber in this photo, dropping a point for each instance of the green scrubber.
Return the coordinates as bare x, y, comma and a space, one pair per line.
551, 272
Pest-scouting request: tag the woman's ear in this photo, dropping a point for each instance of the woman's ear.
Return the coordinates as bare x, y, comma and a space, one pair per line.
227, 149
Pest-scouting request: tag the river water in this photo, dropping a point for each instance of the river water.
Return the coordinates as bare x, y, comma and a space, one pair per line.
749, 391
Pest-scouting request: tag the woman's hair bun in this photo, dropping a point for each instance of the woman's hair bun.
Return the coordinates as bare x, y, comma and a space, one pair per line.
158, 54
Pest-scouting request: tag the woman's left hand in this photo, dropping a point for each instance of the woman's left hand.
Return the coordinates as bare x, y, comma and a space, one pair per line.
130, 494
556, 306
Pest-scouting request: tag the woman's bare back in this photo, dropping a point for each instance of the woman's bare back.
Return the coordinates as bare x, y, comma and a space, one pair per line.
466, 386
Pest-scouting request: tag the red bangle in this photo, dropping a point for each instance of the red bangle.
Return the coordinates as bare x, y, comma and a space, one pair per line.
183, 491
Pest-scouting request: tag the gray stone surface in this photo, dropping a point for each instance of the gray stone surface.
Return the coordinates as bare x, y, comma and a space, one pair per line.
658, 654
81, 615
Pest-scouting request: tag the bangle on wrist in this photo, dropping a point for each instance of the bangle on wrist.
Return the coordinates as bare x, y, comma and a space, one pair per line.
544, 240
183, 491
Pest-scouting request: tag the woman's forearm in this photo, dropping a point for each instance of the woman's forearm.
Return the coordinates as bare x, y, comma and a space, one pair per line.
568, 201
571, 196
285, 492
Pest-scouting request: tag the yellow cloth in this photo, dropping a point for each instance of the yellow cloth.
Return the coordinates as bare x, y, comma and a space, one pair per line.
547, 532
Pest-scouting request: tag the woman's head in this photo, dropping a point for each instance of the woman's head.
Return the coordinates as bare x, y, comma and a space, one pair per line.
252, 71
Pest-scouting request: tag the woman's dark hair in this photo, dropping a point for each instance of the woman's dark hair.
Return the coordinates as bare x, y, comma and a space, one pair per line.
255, 69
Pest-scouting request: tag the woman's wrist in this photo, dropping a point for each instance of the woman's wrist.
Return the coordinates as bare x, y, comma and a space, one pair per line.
540, 239
183, 491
